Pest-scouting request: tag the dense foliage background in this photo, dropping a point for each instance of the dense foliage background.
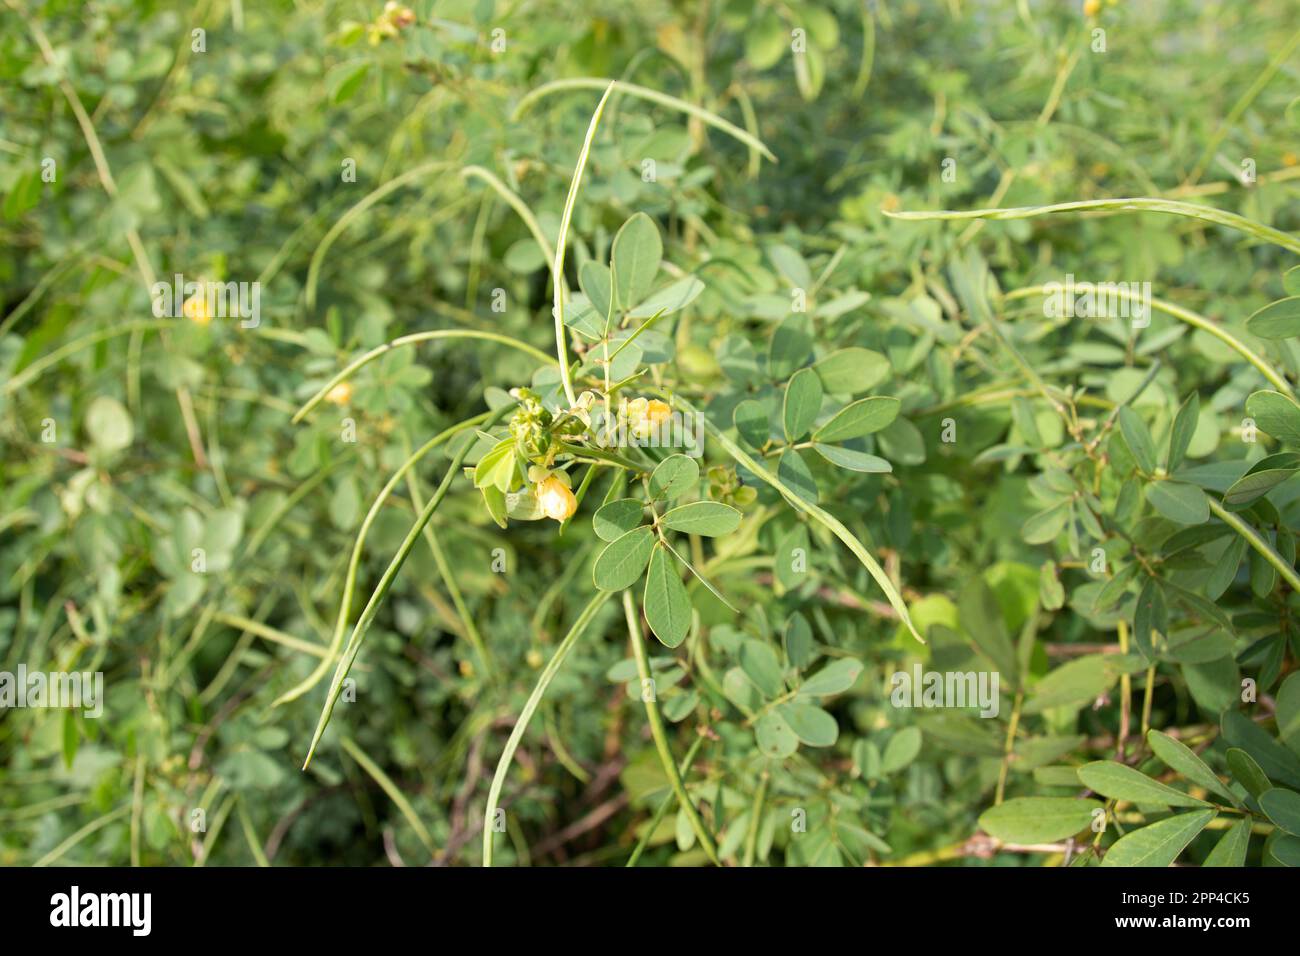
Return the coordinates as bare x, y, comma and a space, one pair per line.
321, 150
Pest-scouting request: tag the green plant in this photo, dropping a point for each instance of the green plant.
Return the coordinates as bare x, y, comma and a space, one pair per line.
814, 433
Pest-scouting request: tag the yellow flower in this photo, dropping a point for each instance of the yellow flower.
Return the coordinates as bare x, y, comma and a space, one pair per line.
555, 498
1091, 8
657, 411
645, 414
340, 394
196, 309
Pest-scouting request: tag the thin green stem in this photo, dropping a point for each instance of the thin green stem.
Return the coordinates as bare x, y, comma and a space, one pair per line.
414, 339
654, 96
829, 521
755, 817
381, 590
525, 715
394, 792
354, 563
1256, 541
1242, 104
657, 730
449, 582
1138, 204
1191, 318
662, 810
374, 196
557, 270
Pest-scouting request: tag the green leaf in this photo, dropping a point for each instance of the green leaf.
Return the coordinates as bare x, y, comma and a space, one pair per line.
1044, 526
1276, 414
1277, 761
1247, 772
863, 417
853, 460
791, 345
667, 608
812, 725
981, 618
759, 662
1291, 278
902, 443
803, 400
799, 646
634, 260
617, 518
709, 518
345, 79
793, 472
1138, 439
1263, 476
852, 370
1286, 850
1283, 808
753, 422
765, 39
673, 477
701, 578
108, 424
495, 502
1179, 501
1074, 684
774, 736
1288, 712
671, 298
497, 467
1231, 849
790, 563
1277, 320
901, 750
1119, 782
1179, 757
621, 563
1180, 436
597, 285
1037, 819
1158, 844
835, 678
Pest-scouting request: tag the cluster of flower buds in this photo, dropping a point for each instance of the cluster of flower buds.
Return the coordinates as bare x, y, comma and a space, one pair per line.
725, 486
395, 18
645, 415
538, 433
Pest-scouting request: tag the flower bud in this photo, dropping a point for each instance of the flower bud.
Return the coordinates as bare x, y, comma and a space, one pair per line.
555, 498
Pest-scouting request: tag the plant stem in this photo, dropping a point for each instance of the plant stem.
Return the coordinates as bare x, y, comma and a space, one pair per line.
535, 698
654, 96
1137, 204
386, 582
1256, 541
657, 730
394, 792
664, 804
557, 269
1194, 320
449, 581
1009, 746
414, 339
755, 815
831, 523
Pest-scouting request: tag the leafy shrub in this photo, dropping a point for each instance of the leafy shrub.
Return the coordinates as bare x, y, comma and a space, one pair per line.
853, 434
